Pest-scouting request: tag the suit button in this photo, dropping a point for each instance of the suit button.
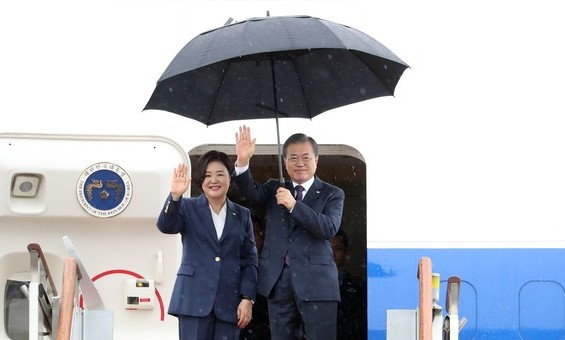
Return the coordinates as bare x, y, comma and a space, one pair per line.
217, 258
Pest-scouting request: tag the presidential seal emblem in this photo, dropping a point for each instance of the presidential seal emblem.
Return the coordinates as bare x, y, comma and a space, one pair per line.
104, 189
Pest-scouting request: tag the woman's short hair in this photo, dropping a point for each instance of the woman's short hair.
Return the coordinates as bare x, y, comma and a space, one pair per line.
205, 159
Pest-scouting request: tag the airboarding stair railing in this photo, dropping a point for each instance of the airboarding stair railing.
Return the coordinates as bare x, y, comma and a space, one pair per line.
42, 296
425, 312
94, 321
427, 321
452, 306
50, 314
69, 298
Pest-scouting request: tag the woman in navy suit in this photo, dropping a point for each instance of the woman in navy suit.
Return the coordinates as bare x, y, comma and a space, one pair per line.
216, 282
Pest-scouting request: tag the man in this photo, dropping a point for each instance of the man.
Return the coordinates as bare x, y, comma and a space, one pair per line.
297, 271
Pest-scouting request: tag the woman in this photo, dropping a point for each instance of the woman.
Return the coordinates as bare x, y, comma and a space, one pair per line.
216, 282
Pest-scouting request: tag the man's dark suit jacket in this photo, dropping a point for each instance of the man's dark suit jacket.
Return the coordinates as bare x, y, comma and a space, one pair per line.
304, 234
213, 273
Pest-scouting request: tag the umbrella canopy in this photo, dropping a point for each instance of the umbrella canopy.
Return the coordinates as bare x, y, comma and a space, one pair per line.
289, 66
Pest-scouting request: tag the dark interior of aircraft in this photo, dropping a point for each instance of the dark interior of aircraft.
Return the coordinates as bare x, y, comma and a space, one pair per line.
344, 167
337, 165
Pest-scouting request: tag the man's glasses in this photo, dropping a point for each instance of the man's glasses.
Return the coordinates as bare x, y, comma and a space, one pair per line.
295, 159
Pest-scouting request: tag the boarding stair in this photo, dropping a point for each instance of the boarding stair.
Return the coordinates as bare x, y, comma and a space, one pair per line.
427, 321
63, 317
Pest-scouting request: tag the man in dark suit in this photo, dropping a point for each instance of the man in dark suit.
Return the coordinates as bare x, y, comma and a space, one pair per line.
297, 271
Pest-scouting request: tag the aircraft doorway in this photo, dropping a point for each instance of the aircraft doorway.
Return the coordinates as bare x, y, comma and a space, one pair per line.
340, 165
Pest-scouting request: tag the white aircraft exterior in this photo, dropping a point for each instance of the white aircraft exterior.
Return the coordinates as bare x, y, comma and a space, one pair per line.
48, 181
464, 165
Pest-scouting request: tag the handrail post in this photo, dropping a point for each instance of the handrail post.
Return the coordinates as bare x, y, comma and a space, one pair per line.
452, 322
91, 322
425, 312
71, 275
41, 294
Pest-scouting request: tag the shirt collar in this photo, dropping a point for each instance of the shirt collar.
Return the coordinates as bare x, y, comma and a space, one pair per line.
306, 184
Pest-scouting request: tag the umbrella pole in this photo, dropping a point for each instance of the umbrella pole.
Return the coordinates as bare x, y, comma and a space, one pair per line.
281, 177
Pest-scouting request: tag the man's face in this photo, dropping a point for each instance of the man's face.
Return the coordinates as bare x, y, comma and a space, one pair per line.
300, 162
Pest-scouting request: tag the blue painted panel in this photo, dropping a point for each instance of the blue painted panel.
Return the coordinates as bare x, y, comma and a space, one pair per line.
505, 293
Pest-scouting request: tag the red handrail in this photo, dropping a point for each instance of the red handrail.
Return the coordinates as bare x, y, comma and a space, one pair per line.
71, 275
425, 313
37, 248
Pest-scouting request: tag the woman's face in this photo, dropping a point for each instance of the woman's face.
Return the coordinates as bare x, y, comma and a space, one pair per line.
216, 181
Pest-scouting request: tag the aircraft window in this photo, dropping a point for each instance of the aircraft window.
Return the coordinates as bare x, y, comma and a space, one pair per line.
542, 298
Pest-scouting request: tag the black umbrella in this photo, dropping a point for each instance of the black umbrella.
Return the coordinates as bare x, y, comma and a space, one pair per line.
289, 66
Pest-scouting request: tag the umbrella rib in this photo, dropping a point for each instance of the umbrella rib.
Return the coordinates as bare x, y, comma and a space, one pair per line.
220, 83
301, 88
391, 93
